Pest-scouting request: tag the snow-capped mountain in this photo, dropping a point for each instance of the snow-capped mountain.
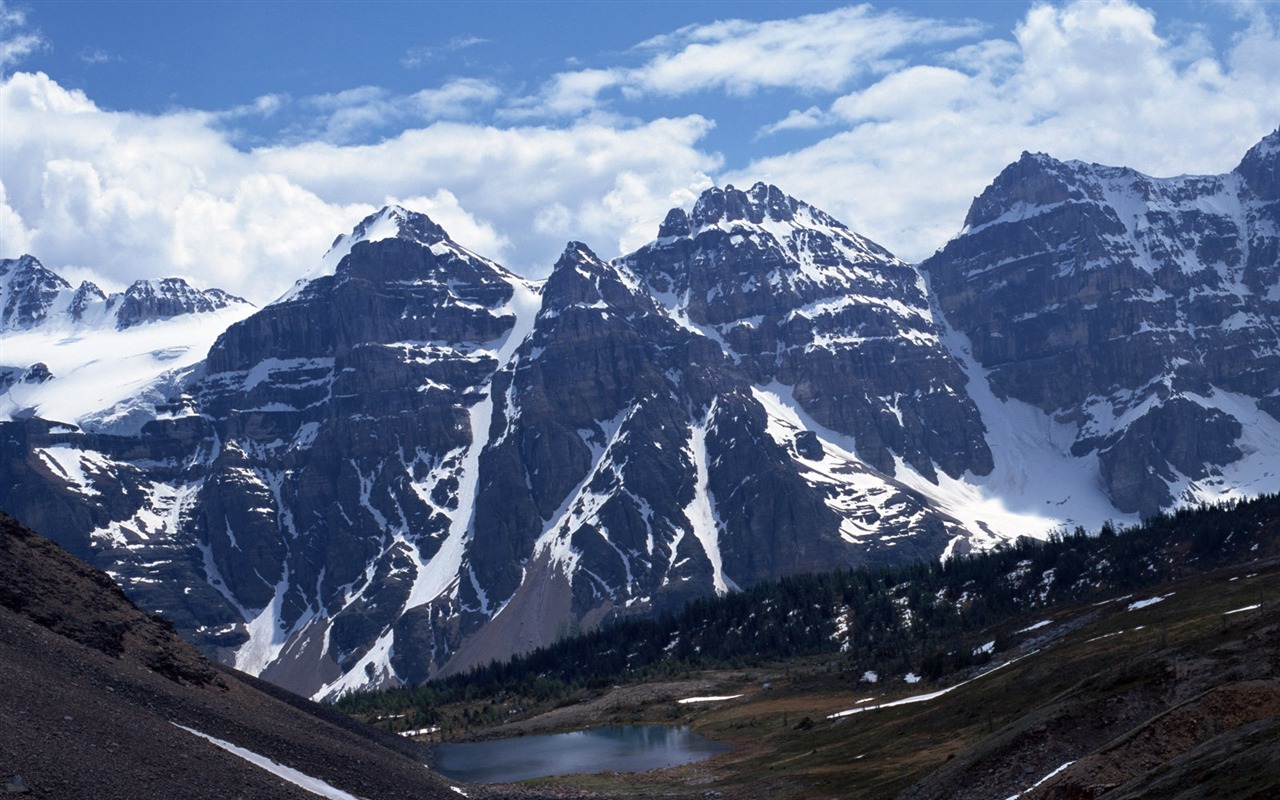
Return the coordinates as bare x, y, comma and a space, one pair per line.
101, 361
32, 296
1141, 315
415, 460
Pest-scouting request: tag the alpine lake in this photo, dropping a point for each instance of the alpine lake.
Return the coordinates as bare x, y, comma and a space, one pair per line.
629, 748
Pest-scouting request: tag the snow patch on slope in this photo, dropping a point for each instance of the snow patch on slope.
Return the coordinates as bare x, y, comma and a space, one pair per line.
701, 511
97, 369
288, 774
1036, 485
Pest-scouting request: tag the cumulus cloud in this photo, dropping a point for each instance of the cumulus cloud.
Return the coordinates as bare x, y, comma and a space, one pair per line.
509, 176
1094, 81
125, 195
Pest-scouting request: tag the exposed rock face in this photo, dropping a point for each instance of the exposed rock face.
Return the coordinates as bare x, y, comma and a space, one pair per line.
629, 454
416, 461
146, 301
31, 295
796, 297
28, 291
1143, 311
361, 476
350, 417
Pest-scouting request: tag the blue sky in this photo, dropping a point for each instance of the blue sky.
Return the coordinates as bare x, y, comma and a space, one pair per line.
230, 142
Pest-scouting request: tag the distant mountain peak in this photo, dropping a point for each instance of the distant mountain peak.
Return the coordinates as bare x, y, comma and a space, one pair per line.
582, 278
1260, 167
397, 222
165, 298
1035, 180
759, 205
390, 222
27, 291
32, 295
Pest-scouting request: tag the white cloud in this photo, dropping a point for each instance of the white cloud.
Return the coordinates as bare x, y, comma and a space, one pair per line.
355, 114
14, 236
418, 56
509, 176
812, 53
95, 55
816, 52
126, 196
567, 94
454, 99
796, 120
1088, 80
16, 41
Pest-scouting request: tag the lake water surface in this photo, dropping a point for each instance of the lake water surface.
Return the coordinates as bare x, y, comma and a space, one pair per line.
631, 748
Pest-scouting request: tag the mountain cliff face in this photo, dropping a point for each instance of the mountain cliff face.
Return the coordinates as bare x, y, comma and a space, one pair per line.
1142, 313
796, 298
416, 461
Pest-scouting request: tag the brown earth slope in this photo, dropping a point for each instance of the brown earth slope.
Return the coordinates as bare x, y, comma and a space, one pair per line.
92, 691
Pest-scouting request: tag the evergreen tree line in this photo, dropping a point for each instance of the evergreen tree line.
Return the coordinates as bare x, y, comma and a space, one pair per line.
888, 619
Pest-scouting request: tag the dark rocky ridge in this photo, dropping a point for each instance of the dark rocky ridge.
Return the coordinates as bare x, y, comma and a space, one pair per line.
798, 298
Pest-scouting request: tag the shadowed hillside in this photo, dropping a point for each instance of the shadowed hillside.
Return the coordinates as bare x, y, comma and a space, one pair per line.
92, 692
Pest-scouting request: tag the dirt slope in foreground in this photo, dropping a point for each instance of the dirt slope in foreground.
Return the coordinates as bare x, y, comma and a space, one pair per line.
92, 691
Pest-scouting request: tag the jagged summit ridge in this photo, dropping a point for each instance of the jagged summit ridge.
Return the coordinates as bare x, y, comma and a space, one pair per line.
1140, 311
390, 222
795, 297
95, 360
31, 295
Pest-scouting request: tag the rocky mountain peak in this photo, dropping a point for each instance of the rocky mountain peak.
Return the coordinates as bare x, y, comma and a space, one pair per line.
87, 294
392, 222
760, 204
795, 297
676, 224
1034, 180
27, 292
1260, 167
580, 278
1123, 304
148, 301
395, 221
